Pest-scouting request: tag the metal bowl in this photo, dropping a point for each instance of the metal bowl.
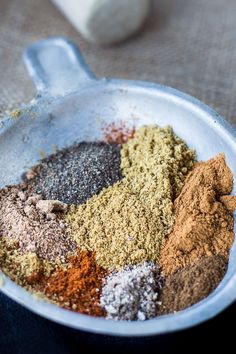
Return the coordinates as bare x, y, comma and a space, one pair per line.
71, 106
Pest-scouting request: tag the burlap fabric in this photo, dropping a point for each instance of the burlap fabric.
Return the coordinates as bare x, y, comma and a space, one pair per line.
186, 44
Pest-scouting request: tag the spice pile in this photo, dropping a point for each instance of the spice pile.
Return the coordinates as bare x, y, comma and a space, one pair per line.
126, 223
77, 173
127, 230
192, 283
78, 287
203, 225
35, 225
131, 294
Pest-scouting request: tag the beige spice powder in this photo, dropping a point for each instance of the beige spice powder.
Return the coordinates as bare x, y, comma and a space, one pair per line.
125, 223
118, 227
34, 231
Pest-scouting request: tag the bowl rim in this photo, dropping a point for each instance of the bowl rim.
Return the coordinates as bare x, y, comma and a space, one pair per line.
217, 301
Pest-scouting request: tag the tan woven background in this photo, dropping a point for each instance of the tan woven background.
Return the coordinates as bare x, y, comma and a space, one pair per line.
187, 44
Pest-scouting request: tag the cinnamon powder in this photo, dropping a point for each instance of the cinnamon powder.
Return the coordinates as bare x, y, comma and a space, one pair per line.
203, 224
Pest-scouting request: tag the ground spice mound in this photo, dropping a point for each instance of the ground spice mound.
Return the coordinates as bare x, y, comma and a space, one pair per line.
155, 163
122, 224
203, 224
229, 202
118, 227
126, 222
78, 288
75, 174
160, 155
188, 285
25, 269
34, 231
132, 293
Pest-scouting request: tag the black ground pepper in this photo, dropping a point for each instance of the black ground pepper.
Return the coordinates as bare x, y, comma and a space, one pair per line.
75, 174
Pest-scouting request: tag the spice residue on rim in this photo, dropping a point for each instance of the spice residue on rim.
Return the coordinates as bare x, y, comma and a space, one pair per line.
117, 132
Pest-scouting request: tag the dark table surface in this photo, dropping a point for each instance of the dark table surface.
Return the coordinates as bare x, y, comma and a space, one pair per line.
187, 44
22, 332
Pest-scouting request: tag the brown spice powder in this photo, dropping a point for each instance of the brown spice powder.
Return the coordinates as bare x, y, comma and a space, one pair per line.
229, 201
189, 285
203, 224
79, 287
23, 221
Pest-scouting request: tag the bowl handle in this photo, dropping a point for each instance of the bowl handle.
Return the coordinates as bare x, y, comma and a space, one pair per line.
56, 66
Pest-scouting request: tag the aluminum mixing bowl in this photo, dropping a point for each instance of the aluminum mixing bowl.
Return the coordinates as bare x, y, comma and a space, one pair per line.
72, 105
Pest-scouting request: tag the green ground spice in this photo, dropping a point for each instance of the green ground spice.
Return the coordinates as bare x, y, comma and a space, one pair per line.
125, 223
155, 164
24, 269
118, 227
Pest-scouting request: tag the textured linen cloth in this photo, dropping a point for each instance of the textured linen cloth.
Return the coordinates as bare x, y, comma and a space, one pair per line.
186, 44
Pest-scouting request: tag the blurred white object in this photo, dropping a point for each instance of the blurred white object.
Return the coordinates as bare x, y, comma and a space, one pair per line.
105, 21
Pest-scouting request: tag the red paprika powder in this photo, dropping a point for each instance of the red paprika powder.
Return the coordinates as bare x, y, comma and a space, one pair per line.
117, 132
79, 286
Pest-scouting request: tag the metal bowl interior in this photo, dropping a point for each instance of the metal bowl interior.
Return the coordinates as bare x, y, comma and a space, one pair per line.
79, 116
